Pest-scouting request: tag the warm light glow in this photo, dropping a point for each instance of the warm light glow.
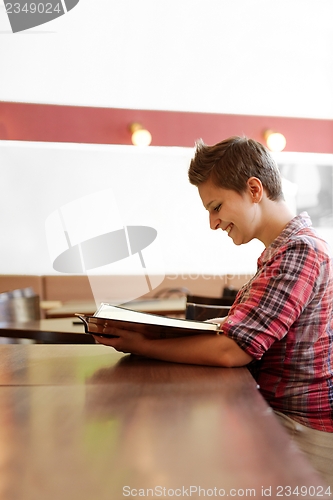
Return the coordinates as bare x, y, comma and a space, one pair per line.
275, 141
140, 135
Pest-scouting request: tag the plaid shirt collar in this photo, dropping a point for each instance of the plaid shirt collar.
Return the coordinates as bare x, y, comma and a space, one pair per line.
298, 223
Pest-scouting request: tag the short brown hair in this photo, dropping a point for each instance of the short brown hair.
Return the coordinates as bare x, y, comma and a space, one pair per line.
230, 163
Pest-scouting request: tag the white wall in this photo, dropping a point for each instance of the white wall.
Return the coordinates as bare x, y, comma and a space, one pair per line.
150, 187
261, 57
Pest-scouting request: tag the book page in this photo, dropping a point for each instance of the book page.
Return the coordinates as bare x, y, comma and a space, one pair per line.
109, 311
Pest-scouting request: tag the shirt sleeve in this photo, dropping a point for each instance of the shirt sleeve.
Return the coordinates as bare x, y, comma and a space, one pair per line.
267, 307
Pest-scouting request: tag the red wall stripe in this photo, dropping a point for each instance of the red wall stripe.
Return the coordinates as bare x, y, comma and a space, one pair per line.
80, 124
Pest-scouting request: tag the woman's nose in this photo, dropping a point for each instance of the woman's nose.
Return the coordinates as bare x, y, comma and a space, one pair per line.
214, 221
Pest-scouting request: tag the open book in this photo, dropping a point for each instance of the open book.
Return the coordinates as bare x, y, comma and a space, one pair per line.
154, 326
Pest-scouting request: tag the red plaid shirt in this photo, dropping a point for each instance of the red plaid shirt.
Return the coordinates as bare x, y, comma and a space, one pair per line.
283, 318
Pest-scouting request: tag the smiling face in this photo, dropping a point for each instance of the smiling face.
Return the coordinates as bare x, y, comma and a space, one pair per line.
236, 213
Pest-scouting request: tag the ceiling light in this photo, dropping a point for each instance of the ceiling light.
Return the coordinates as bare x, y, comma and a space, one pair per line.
140, 135
275, 141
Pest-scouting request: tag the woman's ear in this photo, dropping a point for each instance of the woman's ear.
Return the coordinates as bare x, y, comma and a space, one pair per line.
256, 189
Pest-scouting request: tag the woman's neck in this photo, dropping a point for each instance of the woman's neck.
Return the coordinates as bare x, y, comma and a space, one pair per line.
276, 215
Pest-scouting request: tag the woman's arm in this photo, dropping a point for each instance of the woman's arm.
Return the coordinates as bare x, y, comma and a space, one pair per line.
208, 349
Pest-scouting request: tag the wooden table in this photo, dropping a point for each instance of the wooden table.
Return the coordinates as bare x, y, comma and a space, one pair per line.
166, 307
84, 422
57, 331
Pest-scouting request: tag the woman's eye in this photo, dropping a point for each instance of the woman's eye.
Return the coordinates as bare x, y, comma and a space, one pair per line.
216, 209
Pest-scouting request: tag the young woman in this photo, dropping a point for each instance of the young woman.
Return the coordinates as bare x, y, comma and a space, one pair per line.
280, 325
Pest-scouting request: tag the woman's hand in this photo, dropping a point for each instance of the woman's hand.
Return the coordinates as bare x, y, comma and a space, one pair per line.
126, 341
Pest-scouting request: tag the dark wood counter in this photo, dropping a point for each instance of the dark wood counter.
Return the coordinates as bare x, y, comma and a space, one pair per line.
84, 422
55, 330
